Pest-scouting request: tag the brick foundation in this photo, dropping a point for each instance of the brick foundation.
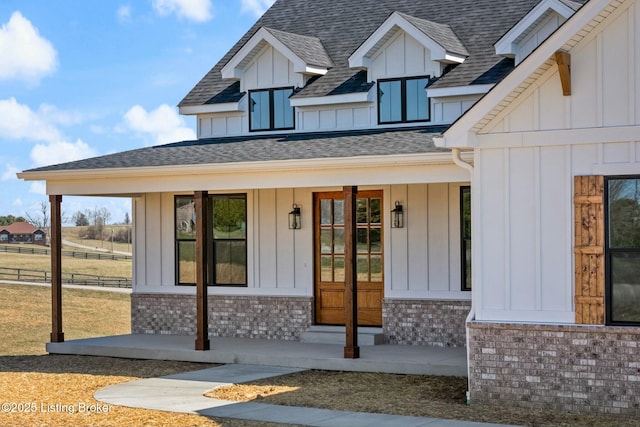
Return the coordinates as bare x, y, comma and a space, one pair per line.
283, 318
579, 369
425, 322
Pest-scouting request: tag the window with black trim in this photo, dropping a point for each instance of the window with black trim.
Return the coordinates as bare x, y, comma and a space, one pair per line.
270, 109
227, 231
622, 249
465, 236
403, 100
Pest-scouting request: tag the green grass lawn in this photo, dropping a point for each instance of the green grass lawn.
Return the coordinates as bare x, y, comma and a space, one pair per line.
25, 322
69, 265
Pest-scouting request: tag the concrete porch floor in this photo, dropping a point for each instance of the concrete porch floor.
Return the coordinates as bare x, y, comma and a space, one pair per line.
397, 359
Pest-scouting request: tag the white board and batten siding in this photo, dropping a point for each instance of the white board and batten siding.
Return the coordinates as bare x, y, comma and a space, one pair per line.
524, 169
401, 56
537, 35
422, 260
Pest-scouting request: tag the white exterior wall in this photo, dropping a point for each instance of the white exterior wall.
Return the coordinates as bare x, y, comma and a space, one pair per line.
537, 35
422, 260
402, 56
524, 169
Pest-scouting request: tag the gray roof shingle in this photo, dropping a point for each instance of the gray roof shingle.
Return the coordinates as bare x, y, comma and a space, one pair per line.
440, 33
343, 25
295, 146
309, 49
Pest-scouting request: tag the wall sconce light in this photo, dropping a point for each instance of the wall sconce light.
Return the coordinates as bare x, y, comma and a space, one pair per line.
294, 218
397, 216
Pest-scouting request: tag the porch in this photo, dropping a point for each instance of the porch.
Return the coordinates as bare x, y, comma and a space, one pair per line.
397, 359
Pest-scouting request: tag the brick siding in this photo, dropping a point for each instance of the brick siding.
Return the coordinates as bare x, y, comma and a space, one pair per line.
425, 322
579, 369
283, 318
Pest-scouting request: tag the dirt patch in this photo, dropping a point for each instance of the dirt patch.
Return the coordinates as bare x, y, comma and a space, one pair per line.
58, 391
417, 395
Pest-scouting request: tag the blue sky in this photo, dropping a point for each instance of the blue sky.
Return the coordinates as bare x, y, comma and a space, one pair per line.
82, 78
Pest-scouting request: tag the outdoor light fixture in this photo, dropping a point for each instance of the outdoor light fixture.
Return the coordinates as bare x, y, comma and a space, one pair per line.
294, 218
397, 216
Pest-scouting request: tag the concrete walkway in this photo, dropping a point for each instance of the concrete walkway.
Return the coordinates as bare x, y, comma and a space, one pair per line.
395, 359
184, 393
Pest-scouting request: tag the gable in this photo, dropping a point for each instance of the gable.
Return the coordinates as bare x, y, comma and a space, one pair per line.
306, 53
603, 74
534, 28
438, 39
600, 40
402, 55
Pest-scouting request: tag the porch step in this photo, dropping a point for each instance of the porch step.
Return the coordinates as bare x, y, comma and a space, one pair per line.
319, 334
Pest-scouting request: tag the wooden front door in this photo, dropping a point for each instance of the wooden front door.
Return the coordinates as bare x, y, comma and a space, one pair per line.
329, 257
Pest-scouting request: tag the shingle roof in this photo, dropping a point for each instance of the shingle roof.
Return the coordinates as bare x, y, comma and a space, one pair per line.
440, 33
294, 146
309, 49
342, 26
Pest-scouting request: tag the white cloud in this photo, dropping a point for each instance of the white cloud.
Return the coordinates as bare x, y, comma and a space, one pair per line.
124, 14
163, 124
38, 187
60, 152
194, 10
9, 173
18, 121
24, 54
17, 202
256, 7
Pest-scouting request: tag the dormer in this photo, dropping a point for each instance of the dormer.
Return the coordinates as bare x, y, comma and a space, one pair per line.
534, 28
306, 55
426, 44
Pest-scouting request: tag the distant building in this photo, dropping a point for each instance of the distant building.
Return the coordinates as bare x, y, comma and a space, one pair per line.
22, 232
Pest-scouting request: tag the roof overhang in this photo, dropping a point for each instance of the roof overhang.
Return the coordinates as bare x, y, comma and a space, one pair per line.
506, 46
361, 57
463, 132
347, 98
225, 107
358, 170
459, 90
236, 65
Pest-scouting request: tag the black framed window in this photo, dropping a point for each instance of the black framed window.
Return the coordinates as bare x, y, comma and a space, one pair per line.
465, 236
185, 232
622, 250
227, 225
403, 100
270, 109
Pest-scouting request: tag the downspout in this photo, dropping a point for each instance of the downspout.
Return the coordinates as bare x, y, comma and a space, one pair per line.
455, 154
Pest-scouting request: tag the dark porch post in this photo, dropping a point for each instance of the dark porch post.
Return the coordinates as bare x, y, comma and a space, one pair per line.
56, 269
202, 321
351, 349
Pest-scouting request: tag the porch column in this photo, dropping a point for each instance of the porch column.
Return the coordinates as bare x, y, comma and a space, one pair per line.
56, 269
202, 321
351, 349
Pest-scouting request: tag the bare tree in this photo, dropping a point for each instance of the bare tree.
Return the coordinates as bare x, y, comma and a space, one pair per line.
41, 218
